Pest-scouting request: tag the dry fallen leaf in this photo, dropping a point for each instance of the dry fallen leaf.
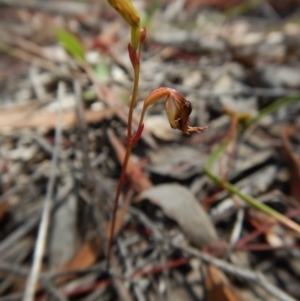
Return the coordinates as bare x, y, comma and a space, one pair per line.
84, 258
218, 288
15, 119
179, 204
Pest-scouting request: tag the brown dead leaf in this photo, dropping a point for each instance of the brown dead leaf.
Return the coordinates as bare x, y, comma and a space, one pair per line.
15, 119
86, 255
218, 288
139, 179
292, 161
179, 204
84, 258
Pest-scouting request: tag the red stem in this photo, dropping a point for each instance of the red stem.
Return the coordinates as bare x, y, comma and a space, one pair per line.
116, 200
126, 158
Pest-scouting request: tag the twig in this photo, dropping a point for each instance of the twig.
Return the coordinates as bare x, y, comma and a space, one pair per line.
40, 62
16, 256
97, 294
97, 268
118, 284
44, 224
128, 266
256, 277
31, 222
24, 44
6, 268
42, 142
18, 234
15, 270
51, 289
147, 222
27, 57
237, 229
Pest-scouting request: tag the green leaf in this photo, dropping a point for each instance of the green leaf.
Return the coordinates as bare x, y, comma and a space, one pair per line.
71, 43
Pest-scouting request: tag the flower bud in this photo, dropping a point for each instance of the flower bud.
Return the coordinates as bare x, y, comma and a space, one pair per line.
133, 56
127, 11
178, 110
143, 33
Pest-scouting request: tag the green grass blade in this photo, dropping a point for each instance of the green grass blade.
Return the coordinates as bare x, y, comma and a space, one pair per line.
71, 43
232, 188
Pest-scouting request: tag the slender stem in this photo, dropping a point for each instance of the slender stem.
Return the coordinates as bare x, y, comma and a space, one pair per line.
133, 101
116, 199
126, 158
139, 51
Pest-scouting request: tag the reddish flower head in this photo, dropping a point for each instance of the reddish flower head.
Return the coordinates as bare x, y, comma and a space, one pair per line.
178, 109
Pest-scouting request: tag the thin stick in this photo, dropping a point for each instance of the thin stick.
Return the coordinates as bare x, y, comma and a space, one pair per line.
52, 290
255, 277
44, 223
247, 274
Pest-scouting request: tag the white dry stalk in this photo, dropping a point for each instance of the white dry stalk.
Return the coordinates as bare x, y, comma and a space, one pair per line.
237, 229
39, 249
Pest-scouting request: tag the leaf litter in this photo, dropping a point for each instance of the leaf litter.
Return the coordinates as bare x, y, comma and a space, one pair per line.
238, 65
179, 204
